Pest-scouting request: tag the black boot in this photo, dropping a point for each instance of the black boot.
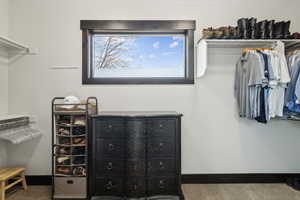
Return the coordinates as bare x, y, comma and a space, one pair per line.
243, 28
270, 29
261, 29
286, 30
278, 30
252, 28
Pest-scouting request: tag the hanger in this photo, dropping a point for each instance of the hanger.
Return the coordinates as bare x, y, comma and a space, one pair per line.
245, 50
293, 51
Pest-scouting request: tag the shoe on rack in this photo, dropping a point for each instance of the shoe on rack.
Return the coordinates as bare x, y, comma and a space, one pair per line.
79, 140
79, 160
295, 35
261, 29
278, 30
63, 150
79, 171
252, 28
270, 29
243, 27
63, 170
208, 33
286, 30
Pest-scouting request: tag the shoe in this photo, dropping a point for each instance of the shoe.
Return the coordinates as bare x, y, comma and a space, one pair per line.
78, 131
243, 28
63, 160
207, 33
252, 28
270, 29
278, 30
78, 151
79, 160
261, 29
64, 141
63, 170
218, 33
295, 35
234, 32
63, 131
286, 30
63, 150
79, 171
79, 140
226, 32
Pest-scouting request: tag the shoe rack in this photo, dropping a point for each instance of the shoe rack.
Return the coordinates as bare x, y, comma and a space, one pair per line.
70, 147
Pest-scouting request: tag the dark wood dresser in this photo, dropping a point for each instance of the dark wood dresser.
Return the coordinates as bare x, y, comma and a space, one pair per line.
135, 155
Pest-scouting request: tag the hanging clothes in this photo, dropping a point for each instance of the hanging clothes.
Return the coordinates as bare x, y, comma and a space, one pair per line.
261, 78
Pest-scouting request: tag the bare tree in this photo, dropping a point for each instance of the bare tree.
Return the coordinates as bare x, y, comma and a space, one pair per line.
111, 55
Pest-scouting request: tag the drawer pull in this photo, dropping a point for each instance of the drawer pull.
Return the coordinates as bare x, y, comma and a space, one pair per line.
161, 126
161, 184
110, 166
161, 165
110, 126
161, 144
70, 181
111, 147
109, 185
135, 187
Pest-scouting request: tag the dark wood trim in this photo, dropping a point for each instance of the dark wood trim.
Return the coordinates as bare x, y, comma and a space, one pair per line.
138, 24
90, 27
235, 178
39, 180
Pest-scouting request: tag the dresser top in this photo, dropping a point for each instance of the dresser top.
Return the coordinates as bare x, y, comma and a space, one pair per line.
139, 114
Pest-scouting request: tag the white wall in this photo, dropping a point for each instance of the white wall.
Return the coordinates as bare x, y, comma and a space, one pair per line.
3, 74
214, 139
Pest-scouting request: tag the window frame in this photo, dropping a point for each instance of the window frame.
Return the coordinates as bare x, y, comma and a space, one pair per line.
91, 27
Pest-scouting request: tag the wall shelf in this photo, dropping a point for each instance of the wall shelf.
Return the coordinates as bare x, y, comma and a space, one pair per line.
204, 45
10, 48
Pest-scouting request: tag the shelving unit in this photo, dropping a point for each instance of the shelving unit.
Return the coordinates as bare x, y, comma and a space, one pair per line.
70, 148
204, 45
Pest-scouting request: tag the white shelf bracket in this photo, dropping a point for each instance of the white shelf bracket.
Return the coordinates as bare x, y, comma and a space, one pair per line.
201, 61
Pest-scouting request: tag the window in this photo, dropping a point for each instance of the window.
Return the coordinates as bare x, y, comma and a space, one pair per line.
138, 52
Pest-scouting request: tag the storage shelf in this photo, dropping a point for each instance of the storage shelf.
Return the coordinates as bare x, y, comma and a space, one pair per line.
71, 136
10, 48
204, 45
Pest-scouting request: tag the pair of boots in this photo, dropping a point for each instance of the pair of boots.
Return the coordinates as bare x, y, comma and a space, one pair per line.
249, 28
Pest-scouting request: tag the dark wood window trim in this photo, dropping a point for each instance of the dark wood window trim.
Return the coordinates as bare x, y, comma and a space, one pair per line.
90, 27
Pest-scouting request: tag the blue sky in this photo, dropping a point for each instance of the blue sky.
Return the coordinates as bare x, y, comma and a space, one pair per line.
147, 56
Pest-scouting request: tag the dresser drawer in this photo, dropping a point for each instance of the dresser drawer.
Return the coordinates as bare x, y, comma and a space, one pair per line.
109, 186
162, 128
136, 168
162, 186
136, 128
107, 148
109, 128
136, 187
161, 147
136, 148
161, 166
110, 167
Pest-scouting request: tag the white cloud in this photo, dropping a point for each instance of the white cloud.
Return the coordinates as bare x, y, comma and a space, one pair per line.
156, 45
167, 53
128, 59
141, 56
174, 44
176, 38
152, 56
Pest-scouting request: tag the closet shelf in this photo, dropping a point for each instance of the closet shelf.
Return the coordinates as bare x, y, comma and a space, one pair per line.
204, 45
10, 48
